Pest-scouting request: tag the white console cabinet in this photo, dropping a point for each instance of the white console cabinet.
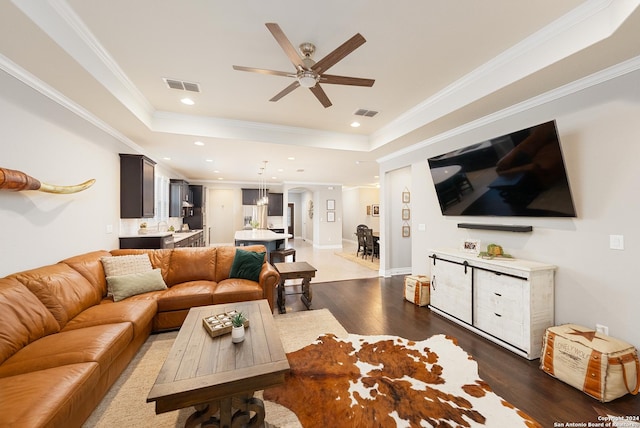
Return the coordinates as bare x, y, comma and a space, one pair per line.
508, 301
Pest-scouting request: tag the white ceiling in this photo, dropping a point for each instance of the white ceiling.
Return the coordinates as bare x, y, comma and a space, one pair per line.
437, 65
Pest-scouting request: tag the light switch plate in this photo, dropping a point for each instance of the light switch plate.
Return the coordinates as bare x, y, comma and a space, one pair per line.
616, 242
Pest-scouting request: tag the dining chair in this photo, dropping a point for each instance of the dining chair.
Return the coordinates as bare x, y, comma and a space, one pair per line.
360, 236
371, 245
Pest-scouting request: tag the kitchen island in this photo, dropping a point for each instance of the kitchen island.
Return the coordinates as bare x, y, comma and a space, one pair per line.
264, 237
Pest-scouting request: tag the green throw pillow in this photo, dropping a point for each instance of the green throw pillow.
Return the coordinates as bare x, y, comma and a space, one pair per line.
247, 265
123, 286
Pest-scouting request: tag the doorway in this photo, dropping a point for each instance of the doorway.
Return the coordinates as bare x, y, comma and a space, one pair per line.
290, 219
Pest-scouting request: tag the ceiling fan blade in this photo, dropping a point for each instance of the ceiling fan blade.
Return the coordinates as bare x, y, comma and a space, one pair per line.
285, 44
285, 91
263, 71
344, 80
340, 52
321, 96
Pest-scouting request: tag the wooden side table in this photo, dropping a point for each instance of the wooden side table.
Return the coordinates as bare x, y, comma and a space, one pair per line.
295, 270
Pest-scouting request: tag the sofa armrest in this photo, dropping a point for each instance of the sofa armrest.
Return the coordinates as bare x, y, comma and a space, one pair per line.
269, 280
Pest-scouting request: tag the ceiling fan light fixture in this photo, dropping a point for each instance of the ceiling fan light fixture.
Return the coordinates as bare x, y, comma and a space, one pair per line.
307, 79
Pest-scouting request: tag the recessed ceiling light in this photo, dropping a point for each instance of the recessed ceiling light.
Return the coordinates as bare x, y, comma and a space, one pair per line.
215, 171
209, 160
220, 178
198, 143
291, 158
274, 177
355, 124
166, 158
187, 101
280, 170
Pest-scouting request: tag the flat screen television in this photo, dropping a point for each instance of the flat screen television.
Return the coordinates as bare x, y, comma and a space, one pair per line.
518, 174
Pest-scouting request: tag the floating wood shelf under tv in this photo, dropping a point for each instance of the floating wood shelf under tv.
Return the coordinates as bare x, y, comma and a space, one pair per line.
502, 227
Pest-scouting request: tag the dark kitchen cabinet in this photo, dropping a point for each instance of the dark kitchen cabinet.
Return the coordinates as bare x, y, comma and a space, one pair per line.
195, 216
178, 198
275, 204
137, 186
147, 242
250, 196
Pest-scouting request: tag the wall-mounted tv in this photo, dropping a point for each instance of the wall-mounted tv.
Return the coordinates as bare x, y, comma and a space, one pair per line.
518, 174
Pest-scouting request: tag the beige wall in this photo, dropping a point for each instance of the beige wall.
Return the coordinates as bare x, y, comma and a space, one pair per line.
600, 135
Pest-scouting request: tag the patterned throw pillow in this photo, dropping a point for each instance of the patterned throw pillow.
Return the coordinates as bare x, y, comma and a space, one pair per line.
124, 265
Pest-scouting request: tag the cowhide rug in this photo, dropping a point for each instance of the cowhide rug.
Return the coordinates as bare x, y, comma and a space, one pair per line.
388, 381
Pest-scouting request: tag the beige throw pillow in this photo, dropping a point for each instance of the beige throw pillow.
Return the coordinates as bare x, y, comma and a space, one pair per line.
123, 286
125, 265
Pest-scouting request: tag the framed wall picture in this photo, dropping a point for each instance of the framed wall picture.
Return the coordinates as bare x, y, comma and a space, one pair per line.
406, 197
368, 209
331, 204
470, 246
331, 216
375, 210
406, 231
406, 213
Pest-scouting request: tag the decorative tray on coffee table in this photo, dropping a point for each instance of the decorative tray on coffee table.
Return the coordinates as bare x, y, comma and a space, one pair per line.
217, 325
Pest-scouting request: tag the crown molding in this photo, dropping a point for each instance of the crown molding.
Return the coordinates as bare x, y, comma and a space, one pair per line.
589, 23
592, 80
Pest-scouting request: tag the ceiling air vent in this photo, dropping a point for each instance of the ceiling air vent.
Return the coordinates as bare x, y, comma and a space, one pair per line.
181, 85
365, 112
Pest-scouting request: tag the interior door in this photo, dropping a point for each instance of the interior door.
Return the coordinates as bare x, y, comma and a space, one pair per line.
290, 219
220, 216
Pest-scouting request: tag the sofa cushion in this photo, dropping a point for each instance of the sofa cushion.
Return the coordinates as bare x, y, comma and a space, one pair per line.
186, 295
90, 266
140, 313
192, 264
24, 318
62, 289
101, 344
54, 397
237, 290
123, 286
247, 265
125, 265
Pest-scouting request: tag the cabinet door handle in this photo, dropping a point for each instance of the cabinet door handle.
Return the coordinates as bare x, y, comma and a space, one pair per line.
433, 282
498, 294
498, 315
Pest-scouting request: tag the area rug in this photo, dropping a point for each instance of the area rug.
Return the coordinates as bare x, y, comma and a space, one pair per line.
388, 381
373, 265
439, 381
125, 403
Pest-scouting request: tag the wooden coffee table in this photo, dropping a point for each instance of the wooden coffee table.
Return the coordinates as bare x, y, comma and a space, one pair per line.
218, 377
295, 270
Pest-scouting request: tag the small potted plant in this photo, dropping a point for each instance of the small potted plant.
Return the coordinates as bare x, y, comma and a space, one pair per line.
237, 332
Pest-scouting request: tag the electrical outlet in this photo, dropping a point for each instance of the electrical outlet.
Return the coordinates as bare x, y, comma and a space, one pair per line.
109, 228
603, 329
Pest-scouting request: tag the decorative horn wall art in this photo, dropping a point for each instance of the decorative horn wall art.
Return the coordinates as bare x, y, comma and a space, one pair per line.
15, 181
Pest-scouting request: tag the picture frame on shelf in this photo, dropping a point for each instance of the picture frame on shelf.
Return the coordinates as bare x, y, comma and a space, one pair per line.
471, 246
331, 216
375, 210
331, 204
406, 214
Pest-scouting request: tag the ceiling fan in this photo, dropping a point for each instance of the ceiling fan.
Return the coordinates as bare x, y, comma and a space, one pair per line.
310, 74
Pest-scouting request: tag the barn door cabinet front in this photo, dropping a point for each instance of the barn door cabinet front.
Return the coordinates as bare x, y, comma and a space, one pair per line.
509, 302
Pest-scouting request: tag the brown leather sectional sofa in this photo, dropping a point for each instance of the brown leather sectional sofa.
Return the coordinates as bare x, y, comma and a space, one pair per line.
63, 342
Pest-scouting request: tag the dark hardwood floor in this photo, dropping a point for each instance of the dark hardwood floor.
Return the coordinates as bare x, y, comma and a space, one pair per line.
376, 306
